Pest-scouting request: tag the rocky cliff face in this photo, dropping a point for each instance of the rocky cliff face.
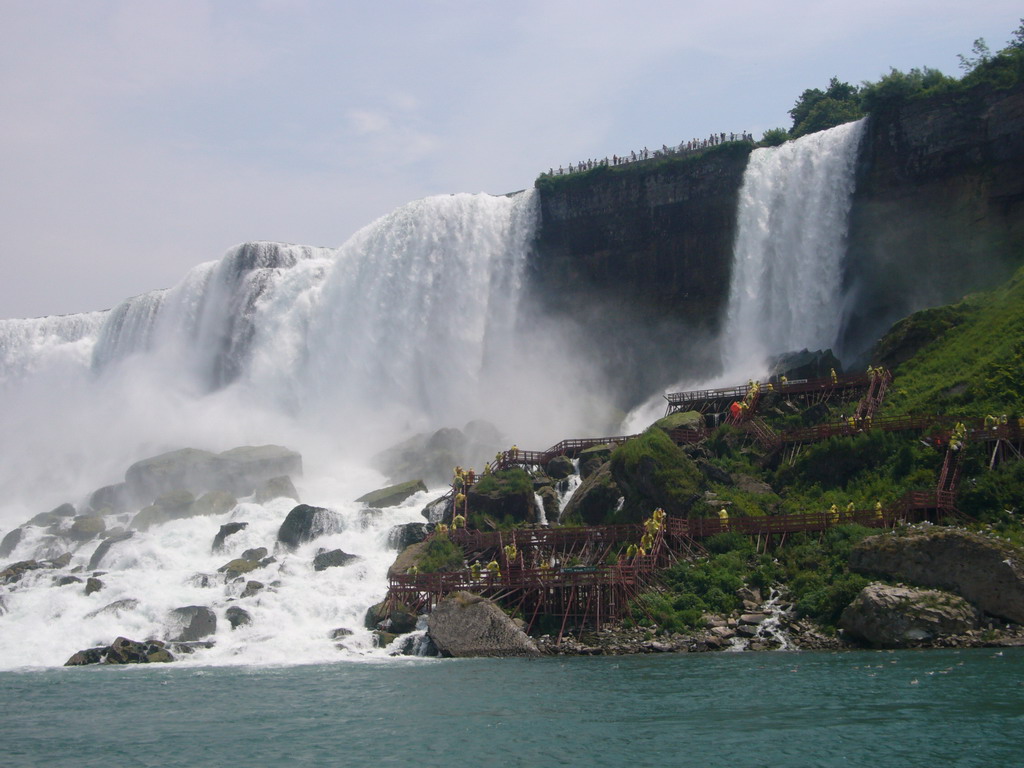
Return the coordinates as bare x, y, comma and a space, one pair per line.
938, 210
649, 245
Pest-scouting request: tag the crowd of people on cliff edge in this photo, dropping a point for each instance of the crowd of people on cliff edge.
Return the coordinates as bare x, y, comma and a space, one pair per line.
636, 156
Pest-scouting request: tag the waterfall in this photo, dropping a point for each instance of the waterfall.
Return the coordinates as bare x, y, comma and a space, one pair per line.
335, 352
786, 288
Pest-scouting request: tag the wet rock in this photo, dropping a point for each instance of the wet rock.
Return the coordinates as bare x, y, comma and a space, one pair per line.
226, 530
253, 587
53, 517
88, 656
256, 554
10, 541
595, 500
280, 487
551, 501
402, 536
212, 503
85, 528
104, 547
237, 617
438, 511
192, 622
805, 364
339, 634
464, 624
560, 467
64, 581
15, 571
123, 651
393, 495
895, 616
92, 585
238, 567
333, 559
61, 561
305, 523
115, 498
172, 505
115, 608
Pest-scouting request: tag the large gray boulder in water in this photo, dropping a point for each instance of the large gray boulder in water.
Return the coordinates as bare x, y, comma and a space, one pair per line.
465, 624
305, 523
895, 616
104, 547
238, 471
192, 622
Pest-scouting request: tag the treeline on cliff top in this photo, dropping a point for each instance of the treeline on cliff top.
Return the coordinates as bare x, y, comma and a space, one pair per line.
840, 102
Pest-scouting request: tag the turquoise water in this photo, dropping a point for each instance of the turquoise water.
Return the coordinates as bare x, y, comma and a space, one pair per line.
753, 709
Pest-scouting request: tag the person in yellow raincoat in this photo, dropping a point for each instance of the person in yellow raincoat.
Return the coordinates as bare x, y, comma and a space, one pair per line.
723, 518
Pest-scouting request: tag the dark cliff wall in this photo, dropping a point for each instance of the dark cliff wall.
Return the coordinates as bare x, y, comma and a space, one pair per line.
637, 259
938, 209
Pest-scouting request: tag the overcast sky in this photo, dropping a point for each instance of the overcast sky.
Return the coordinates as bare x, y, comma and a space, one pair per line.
140, 138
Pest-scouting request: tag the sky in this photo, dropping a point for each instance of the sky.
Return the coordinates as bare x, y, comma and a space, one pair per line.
140, 138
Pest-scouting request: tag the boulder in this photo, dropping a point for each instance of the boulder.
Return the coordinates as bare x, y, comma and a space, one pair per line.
226, 530
212, 503
171, 505
397, 620
393, 495
253, 587
238, 471
438, 511
104, 548
339, 634
681, 420
896, 616
64, 581
115, 498
407, 558
551, 500
505, 495
652, 471
464, 624
237, 617
85, 528
305, 523
560, 468
192, 622
333, 559
401, 536
53, 517
238, 567
245, 468
596, 500
433, 456
115, 608
92, 584
122, 651
11, 541
280, 487
188, 468
986, 571
13, 572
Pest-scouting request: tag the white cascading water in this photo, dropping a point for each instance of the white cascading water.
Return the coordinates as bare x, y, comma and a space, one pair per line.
786, 287
786, 291
335, 353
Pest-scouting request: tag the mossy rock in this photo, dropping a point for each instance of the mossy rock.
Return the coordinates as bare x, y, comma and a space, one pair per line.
560, 468
596, 500
85, 528
681, 420
237, 567
653, 472
506, 495
393, 495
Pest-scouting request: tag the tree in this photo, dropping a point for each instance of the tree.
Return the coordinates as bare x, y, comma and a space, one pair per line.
1016, 42
897, 86
817, 110
774, 136
982, 55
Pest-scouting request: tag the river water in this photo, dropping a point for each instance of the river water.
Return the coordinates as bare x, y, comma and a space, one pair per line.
908, 708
